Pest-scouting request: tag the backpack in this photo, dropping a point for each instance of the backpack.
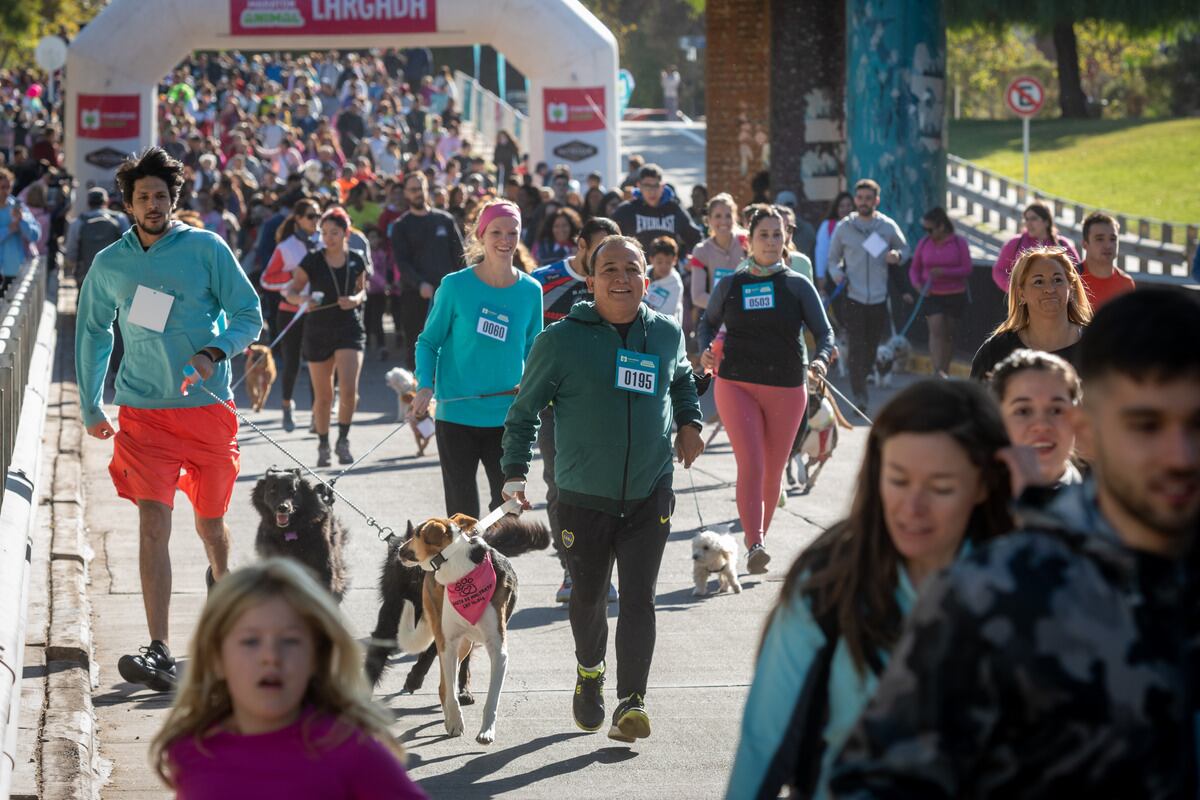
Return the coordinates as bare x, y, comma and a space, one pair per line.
99, 229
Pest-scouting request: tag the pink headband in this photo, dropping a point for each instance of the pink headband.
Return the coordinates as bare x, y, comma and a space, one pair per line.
492, 212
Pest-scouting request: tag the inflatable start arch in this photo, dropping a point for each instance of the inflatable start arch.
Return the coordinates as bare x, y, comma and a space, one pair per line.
116, 62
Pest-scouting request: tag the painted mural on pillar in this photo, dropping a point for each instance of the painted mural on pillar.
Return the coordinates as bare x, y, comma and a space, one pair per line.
895, 105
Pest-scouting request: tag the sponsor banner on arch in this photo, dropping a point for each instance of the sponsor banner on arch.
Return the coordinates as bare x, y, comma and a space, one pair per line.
330, 17
575, 128
108, 116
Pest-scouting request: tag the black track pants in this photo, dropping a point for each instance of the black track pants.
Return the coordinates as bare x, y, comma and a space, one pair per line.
592, 541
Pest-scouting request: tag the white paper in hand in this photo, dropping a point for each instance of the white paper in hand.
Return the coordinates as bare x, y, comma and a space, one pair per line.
150, 309
875, 245
426, 427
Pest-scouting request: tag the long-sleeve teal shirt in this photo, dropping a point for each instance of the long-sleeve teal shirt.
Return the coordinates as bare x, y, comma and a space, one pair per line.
474, 343
14, 245
213, 305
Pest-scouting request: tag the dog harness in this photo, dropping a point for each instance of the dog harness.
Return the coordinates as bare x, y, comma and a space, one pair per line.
471, 593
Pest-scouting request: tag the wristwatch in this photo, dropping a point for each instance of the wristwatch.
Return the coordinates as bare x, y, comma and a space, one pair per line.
214, 354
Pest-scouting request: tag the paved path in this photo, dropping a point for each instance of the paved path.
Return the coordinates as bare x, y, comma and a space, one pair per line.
703, 663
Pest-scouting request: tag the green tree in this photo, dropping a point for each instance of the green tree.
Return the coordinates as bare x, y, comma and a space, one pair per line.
1058, 18
24, 22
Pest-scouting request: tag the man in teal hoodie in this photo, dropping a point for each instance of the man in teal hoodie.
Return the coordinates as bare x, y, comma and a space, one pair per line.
619, 378
181, 299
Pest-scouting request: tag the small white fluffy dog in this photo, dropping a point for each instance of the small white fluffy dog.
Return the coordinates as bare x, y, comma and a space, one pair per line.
401, 381
714, 552
890, 357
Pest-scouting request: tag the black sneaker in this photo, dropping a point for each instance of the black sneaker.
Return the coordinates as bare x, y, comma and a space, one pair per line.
630, 720
289, 424
343, 452
323, 455
757, 560
588, 705
209, 580
153, 667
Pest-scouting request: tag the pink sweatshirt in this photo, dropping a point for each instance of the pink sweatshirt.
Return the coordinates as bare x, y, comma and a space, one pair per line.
1002, 271
951, 256
280, 764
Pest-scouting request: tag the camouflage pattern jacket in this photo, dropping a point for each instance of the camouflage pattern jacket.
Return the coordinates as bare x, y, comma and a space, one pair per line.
1054, 662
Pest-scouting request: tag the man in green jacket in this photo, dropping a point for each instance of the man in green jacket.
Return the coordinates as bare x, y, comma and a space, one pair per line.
618, 377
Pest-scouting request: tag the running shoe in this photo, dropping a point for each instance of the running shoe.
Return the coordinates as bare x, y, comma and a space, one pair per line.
757, 559
289, 424
563, 595
588, 705
153, 667
343, 452
323, 454
209, 580
630, 720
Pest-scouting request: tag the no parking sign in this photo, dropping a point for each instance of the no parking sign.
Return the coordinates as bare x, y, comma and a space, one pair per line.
1025, 96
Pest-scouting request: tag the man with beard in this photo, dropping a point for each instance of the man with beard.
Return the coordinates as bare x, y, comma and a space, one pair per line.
181, 299
1062, 659
426, 247
864, 246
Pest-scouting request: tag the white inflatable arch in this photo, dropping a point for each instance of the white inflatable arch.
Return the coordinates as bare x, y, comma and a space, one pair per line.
116, 62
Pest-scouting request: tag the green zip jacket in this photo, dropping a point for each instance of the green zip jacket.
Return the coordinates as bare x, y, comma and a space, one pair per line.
613, 446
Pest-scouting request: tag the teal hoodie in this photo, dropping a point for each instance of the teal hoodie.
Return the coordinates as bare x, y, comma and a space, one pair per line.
612, 447
214, 305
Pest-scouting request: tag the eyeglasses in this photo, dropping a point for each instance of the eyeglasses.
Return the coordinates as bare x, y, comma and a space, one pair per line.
650, 186
312, 216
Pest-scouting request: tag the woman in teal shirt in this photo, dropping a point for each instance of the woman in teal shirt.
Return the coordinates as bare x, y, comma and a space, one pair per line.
471, 355
930, 487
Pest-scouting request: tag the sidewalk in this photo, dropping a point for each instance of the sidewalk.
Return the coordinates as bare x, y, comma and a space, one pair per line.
704, 658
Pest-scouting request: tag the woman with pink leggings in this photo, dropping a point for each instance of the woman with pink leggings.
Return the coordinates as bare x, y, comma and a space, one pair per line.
761, 387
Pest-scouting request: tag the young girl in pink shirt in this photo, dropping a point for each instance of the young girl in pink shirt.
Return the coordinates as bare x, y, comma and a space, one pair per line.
275, 702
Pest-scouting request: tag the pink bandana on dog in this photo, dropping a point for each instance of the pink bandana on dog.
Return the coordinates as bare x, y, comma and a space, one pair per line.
471, 593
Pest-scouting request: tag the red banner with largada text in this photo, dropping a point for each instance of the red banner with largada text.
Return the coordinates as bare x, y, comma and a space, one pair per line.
330, 17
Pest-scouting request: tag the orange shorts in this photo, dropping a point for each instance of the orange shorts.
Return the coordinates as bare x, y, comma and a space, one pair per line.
158, 450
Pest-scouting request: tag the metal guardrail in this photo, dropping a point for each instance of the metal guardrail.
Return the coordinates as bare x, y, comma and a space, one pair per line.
20, 315
485, 114
992, 204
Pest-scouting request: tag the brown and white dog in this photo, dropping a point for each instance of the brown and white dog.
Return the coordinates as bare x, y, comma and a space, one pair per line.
402, 382
469, 594
260, 374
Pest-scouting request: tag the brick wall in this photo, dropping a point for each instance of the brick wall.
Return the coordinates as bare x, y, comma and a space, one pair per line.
738, 74
808, 132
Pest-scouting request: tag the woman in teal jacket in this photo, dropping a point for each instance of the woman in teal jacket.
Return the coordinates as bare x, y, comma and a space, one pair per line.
930, 486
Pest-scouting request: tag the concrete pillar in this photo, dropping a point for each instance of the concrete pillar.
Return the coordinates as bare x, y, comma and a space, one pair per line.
808, 130
737, 71
895, 104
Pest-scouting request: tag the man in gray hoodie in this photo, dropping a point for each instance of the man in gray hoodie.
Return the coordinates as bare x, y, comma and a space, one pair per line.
863, 247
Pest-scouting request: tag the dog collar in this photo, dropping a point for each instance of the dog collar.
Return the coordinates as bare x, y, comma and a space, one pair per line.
441, 558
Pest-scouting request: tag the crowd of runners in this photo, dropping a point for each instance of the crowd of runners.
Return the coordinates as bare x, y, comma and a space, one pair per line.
1010, 608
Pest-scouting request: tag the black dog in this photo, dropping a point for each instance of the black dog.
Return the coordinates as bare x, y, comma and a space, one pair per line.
401, 613
297, 522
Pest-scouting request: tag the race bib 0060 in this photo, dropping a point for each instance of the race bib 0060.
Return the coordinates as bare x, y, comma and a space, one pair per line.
637, 372
492, 324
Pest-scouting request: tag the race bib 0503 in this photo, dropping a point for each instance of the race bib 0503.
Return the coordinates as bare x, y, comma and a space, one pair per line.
637, 372
758, 296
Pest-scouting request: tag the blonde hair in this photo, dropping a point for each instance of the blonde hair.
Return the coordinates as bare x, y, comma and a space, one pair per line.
339, 688
473, 251
723, 199
1079, 309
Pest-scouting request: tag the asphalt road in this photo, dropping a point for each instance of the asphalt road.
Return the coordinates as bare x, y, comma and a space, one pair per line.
678, 148
704, 657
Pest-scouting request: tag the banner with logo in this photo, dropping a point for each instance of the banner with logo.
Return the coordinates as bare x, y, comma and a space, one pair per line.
330, 17
575, 125
108, 116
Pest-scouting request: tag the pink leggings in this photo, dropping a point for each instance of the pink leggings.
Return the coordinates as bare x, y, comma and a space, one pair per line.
761, 422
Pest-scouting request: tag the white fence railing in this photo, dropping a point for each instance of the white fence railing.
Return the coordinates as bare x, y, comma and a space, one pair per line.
992, 205
484, 115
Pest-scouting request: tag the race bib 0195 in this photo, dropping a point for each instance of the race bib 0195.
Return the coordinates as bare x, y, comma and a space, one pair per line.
637, 372
492, 324
758, 296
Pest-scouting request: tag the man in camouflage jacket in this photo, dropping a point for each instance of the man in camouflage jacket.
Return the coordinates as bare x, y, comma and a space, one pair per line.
1063, 660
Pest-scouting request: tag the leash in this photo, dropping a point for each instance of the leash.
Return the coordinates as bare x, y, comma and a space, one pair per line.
696, 499
846, 400
251, 364
841, 287
916, 309
385, 533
